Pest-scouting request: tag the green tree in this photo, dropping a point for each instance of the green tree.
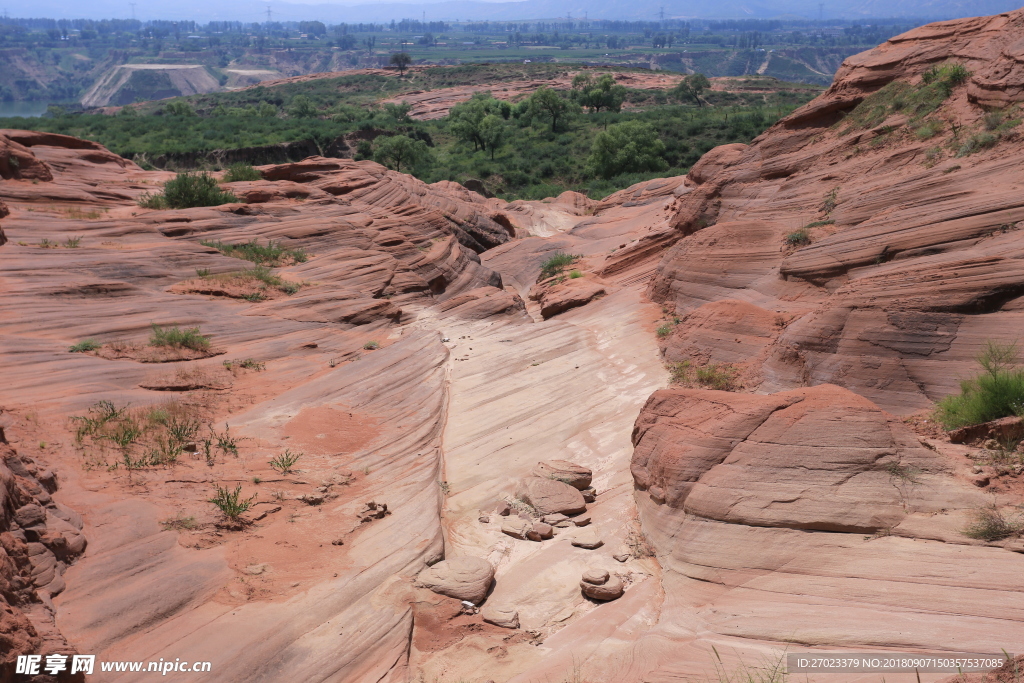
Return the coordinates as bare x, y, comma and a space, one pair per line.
465, 119
396, 150
604, 93
401, 60
493, 132
179, 108
266, 110
546, 102
627, 147
398, 112
691, 86
302, 108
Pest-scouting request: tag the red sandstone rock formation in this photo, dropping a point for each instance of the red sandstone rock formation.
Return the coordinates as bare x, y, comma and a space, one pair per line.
412, 367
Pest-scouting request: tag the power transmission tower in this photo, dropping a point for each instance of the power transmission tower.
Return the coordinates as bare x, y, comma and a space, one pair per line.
268, 14
821, 11
661, 13
133, 10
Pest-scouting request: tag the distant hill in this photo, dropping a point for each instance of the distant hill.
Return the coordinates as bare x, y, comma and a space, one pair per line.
355, 11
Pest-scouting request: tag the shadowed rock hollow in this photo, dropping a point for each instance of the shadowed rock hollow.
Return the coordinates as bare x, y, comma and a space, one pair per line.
493, 481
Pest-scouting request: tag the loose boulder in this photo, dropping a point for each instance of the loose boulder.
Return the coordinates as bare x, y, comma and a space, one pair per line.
574, 475
516, 527
587, 539
463, 578
506, 617
606, 588
548, 496
540, 532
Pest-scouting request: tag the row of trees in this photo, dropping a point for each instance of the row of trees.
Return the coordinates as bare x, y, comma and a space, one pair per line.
487, 124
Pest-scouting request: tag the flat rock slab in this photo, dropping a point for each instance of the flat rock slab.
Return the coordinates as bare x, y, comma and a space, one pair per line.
464, 578
548, 496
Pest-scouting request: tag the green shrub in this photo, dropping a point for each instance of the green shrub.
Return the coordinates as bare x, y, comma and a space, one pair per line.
946, 76
575, 274
85, 345
231, 503
189, 338
556, 264
371, 345
188, 190
928, 130
664, 331
992, 120
997, 392
976, 143
285, 462
990, 525
239, 172
799, 238
627, 147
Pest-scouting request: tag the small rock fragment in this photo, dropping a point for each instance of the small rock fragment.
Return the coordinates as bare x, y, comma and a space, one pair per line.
657, 494
589, 494
540, 531
597, 577
372, 511
621, 555
337, 541
554, 519
312, 498
502, 509
484, 519
980, 480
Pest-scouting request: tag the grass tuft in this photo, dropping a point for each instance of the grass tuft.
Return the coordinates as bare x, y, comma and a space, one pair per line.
556, 264
85, 345
990, 525
273, 254
720, 376
241, 172
174, 337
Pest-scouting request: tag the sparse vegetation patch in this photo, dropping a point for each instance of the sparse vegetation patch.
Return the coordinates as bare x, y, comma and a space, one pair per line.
271, 254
